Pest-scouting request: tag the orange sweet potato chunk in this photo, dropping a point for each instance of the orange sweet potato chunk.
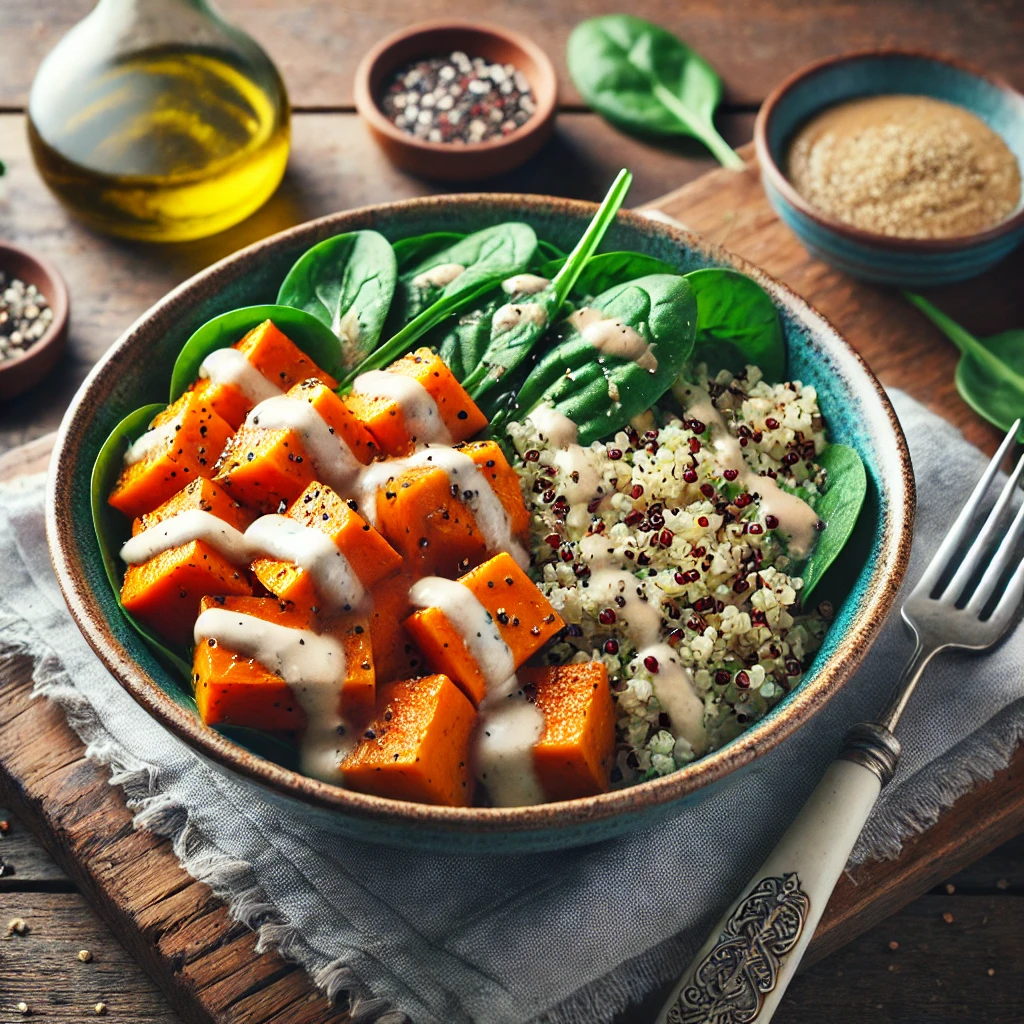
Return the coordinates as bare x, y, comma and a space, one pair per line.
338, 416
417, 748
264, 468
522, 614
395, 655
503, 480
276, 357
319, 508
435, 533
383, 417
191, 453
231, 689
576, 750
164, 593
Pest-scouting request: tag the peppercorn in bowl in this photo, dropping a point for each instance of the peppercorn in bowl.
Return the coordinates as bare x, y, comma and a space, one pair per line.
716, 475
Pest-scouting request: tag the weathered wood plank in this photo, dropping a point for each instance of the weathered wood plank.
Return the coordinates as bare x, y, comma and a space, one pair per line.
24, 864
753, 45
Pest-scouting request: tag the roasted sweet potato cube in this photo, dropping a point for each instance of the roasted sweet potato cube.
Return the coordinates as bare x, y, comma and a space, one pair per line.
338, 416
182, 444
433, 530
264, 468
383, 415
417, 747
504, 481
395, 655
232, 689
575, 752
276, 357
523, 616
370, 556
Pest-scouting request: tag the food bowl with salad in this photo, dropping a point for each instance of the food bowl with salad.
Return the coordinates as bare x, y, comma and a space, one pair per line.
481, 522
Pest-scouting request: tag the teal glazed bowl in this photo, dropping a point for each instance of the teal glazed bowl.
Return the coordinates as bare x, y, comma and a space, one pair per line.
909, 262
136, 371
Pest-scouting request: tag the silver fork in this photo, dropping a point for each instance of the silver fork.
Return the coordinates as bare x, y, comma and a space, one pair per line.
742, 971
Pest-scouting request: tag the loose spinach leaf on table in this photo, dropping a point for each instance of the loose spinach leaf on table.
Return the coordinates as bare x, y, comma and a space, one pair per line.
838, 507
346, 282
508, 346
311, 335
418, 247
737, 323
113, 528
990, 374
601, 392
642, 78
607, 269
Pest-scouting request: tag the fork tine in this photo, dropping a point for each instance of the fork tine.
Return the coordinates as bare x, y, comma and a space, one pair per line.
959, 528
999, 564
985, 534
1003, 612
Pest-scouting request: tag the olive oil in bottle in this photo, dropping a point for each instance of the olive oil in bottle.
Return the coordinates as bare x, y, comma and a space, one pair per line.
155, 120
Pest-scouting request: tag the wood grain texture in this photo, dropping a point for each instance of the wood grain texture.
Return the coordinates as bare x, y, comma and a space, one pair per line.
752, 43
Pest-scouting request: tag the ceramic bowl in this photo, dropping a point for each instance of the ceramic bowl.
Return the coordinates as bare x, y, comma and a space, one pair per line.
136, 370
25, 371
447, 161
911, 262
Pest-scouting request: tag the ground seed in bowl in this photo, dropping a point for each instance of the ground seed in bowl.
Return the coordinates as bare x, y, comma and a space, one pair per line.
25, 316
905, 166
458, 99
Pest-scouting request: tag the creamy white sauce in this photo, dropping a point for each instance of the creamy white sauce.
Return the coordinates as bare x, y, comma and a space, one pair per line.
418, 409
335, 464
583, 469
524, 284
187, 526
474, 491
613, 337
473, 622
554, 427
640, 620
798, 522
677, 694
154, 440
505, 738
230, 367
512, 314
439, 276
313, 666
285, 539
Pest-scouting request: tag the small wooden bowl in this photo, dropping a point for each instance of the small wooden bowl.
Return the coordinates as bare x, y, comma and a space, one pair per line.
25, 371
448, 161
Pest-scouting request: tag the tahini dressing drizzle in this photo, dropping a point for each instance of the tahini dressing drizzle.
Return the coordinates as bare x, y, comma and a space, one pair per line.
230, 367
422, 418
508, 730
524, 284
439, 276
152, 441
512, 314
184, 528
613, 337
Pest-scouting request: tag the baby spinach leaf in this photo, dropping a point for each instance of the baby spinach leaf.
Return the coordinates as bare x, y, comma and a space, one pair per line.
838, 507
346, 282
549, 251
112, 527
310, 334
737, 323
599, 390
462, 340
990, 374
644, 79
607, 269
517, 325
418, 247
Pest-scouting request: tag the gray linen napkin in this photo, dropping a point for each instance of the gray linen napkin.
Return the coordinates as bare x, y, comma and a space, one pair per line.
564, 938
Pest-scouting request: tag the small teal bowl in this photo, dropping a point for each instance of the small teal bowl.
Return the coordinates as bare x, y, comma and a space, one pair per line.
909, 262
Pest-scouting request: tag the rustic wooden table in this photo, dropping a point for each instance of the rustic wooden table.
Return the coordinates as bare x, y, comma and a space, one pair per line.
954, 954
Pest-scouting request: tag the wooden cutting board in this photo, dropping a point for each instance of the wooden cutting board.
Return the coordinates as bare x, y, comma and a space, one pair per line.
181, 934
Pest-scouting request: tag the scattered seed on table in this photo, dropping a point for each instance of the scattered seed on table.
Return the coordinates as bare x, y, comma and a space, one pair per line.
99, 1009
17, 926
23, 1008
458, 99
85, 956
950, 889
1002, 884
947, 917
5, 827
894, 945
6, 869
991, 972
25, 315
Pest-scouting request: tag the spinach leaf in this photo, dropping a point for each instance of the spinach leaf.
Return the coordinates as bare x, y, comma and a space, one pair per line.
607, 269
737, 323
601, 391
516, 326
642, 78
462, 340
309, 334
839, 507
347, 283
113, 528
549, 251
990, 374
418, 247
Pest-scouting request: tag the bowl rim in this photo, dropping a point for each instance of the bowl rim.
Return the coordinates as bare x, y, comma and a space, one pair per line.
57, 298
778, 180
545, 89
883, 585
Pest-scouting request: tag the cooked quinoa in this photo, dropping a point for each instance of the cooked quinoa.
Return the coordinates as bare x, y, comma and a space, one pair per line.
667, 564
